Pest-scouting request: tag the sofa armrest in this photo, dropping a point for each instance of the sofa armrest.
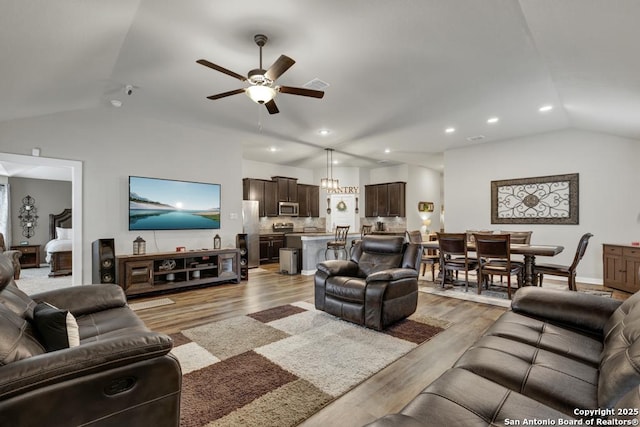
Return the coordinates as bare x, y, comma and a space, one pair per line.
392, 274
338, 267
572, 309
96, 356
84, 299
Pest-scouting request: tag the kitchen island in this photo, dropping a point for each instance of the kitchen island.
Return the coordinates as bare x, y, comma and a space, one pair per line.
312, 247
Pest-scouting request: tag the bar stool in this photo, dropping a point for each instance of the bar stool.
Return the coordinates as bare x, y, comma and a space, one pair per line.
339, 243
364, 230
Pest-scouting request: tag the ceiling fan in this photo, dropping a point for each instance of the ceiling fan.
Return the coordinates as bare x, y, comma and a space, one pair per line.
262, 88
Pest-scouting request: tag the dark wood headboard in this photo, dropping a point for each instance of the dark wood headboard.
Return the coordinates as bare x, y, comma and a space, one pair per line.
62, 220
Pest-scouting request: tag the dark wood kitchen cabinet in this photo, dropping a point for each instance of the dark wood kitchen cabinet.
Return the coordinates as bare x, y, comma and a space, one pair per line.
386, 199
264, 191
270, 248
309, 200
287, 188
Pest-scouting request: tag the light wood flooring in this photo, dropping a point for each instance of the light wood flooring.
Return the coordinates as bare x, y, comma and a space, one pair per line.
387, 391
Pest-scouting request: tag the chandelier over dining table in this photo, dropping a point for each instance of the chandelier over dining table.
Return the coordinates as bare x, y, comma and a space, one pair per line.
329, 182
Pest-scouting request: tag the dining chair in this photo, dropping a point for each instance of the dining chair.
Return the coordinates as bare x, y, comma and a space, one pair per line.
520, 238
364, 230
453, 255
429, 257
568, 271
339, 243
494, 259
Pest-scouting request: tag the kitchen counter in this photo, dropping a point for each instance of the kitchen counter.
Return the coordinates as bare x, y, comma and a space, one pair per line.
312, 248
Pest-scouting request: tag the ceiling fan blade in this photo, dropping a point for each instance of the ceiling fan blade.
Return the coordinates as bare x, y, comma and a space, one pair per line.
272, 107
221, 69
278, 68
224, 94
301, 91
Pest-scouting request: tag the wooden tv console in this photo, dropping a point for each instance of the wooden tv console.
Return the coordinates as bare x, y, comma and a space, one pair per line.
165, 271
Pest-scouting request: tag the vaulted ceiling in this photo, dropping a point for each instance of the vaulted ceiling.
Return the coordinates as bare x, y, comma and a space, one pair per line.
399, 71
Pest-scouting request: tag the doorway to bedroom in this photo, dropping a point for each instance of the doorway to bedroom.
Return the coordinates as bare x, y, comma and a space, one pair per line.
24, 172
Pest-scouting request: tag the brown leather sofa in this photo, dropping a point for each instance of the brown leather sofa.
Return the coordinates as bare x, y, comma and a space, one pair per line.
377, 287
120, 374
556, 355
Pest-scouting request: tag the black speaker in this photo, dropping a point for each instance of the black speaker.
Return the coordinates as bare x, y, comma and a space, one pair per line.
241, 243
104, 261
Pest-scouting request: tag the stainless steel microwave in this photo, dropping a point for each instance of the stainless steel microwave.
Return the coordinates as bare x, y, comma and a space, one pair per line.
288, 209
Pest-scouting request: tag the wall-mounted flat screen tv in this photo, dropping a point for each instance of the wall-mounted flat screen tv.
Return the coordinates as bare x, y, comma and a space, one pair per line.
165, 204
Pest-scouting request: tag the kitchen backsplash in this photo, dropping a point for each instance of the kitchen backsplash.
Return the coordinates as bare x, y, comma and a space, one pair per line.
390, 223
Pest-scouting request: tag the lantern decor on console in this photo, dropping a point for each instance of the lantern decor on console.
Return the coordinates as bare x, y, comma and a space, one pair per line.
28, 216
139, 246
217, 242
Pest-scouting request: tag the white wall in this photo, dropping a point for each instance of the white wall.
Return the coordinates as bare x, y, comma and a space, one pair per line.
608, 197
51, 197
260, 170
112, 145
423, 185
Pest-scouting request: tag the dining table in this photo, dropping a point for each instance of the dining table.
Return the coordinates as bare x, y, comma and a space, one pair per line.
529, 252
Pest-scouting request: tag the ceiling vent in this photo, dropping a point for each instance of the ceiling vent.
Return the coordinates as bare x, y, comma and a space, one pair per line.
316, 84
475, 138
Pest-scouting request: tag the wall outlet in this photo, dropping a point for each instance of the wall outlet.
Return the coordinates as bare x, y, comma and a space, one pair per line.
233, 215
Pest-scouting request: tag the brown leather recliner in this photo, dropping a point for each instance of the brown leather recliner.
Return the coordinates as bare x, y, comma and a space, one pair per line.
121, 373
377, 287
13, 255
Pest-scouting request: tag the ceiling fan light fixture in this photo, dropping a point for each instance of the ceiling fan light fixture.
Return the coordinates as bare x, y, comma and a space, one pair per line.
260, 94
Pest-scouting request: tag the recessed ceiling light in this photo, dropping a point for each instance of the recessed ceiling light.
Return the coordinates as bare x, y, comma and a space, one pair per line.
387, 150
450, 130
324, 132
493, 120
545, 108
273, 149
116, 103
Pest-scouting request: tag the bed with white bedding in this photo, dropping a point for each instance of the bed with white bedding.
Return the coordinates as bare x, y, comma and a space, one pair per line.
59, 249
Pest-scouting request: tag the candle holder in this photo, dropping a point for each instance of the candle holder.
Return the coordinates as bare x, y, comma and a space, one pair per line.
28, 215
139, 246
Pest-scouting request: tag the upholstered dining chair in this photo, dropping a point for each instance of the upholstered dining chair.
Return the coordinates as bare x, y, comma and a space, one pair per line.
426, 259
568, 271
453, 255
494, 258
339, 243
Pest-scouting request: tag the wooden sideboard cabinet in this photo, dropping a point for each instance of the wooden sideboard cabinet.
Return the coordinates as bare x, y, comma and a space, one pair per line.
621, 264
164, 271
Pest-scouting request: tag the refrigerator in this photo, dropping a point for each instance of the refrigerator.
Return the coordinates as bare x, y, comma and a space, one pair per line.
251, 227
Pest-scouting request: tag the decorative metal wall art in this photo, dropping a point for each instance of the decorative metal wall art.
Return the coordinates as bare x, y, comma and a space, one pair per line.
540, 200
425, 206
28, 215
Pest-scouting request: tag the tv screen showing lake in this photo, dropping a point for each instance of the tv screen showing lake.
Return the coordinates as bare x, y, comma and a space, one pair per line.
165, 204
147, 219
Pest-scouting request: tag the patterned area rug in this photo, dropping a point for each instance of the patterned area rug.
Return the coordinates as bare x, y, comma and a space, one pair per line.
495, 295
279, 366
